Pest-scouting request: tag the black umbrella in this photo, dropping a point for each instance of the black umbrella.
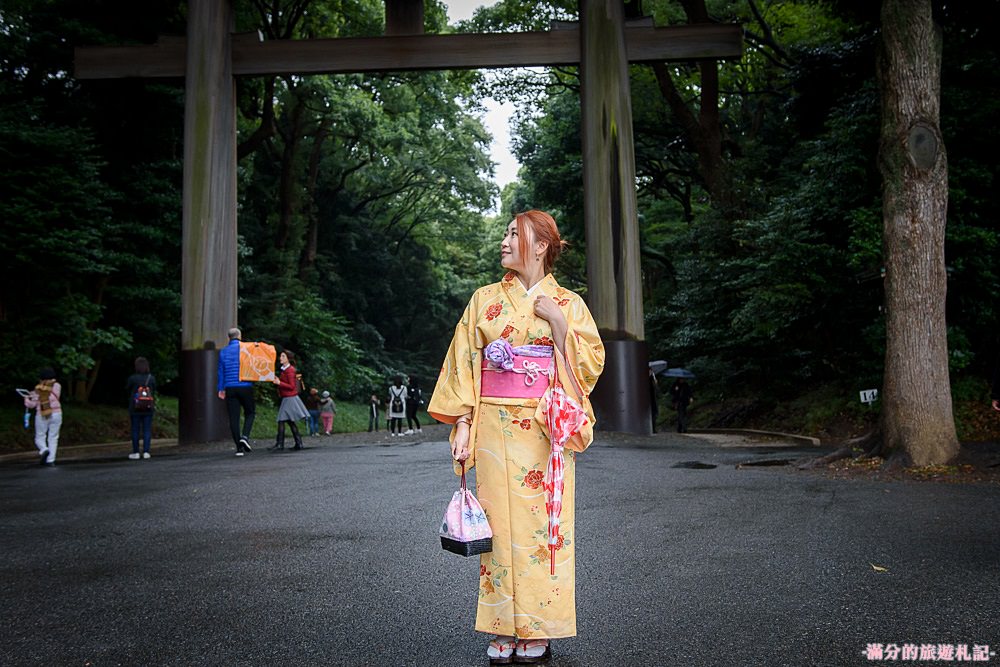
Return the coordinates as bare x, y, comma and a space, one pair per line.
678, 373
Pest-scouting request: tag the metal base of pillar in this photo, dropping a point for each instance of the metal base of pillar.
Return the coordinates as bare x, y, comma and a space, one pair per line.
202, 415
621, 397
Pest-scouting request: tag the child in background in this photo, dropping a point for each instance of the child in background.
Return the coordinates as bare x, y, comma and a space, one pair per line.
327, 411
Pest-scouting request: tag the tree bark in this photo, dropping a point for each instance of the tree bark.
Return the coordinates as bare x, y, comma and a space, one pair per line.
917, 422
704, 130
310, 250
287, 184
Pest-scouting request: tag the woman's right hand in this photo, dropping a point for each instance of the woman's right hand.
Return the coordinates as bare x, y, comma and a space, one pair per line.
460, 443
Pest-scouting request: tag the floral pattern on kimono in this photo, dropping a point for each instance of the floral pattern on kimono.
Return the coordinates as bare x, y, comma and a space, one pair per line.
509, 448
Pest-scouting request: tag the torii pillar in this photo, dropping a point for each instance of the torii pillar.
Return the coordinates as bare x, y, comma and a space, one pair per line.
614, 277
208, 270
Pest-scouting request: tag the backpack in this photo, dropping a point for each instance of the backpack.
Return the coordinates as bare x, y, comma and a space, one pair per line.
142, 400
397, 401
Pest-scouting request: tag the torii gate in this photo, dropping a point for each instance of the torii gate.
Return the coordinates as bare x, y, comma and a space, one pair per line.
603, 45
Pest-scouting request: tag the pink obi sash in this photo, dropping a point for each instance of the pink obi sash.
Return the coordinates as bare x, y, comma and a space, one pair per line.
528, 379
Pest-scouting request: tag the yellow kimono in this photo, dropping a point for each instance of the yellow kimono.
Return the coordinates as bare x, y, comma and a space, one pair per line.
510, 449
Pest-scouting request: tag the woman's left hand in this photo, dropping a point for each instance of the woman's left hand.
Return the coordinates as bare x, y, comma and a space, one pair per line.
547, 309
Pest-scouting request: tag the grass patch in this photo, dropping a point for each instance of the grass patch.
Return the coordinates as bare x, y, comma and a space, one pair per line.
85, 424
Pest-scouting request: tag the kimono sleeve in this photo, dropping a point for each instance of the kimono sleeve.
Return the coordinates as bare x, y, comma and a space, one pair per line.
581, 367
457, 390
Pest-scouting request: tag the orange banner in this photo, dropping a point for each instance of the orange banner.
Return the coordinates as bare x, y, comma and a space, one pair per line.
257, 362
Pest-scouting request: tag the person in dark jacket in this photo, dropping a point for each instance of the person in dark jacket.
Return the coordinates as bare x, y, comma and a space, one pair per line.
414, 400
681, 394
311, 401
236, 393
995, 388
654, 396
139, 412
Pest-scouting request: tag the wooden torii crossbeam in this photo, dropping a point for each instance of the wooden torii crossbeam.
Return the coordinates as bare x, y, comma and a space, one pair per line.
253, 57
211, 56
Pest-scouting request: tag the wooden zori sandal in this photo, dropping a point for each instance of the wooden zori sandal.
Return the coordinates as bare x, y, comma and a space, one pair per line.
532, 650
501, 650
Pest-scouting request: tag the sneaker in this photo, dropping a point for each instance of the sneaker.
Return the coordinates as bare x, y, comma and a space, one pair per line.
420, 430
392, 435
239, 452
134, 456
245, 441
145, 455
43, 456
409, 431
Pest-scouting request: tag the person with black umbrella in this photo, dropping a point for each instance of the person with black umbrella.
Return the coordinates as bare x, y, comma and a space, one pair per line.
682, 394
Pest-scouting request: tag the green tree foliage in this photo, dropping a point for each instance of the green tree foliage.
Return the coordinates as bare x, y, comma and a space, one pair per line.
361, 223
89, 201
780, 287
360, 205
360, 201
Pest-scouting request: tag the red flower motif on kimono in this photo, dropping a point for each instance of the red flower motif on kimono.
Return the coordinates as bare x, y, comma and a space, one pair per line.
509, 276
534, 479
482, 570
544, 340
493, 311
560, 302
507, 331
559, 544
525, 424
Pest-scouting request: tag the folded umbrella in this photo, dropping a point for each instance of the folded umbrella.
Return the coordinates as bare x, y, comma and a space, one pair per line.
564, 418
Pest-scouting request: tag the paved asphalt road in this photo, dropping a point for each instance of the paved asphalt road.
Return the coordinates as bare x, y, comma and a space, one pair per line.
329, 556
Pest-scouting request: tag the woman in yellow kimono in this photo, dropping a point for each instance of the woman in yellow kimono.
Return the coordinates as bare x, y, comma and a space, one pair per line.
506, 439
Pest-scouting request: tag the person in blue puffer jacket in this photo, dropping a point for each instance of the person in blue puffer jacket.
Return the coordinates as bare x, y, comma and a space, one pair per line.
236, 393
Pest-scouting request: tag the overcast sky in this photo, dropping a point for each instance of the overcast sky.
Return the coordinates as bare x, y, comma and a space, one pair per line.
497, 117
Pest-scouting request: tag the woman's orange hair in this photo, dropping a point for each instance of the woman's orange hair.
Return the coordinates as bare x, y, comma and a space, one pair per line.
543, 228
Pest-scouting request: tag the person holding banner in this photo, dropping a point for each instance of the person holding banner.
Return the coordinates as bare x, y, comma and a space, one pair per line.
515, 383
44, 399
237, 393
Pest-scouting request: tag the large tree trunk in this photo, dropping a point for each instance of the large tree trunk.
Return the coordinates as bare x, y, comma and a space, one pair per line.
311, 249
917, 423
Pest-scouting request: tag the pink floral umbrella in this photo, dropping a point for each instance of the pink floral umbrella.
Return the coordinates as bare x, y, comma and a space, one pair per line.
564, 418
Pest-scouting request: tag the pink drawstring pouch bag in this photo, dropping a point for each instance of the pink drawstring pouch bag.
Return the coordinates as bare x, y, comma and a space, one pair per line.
464, 528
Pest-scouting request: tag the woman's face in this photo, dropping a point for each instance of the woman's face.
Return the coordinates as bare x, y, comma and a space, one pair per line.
510, 253
283, 359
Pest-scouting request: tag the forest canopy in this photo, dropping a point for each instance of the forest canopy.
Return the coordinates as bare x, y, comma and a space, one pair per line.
365, 217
